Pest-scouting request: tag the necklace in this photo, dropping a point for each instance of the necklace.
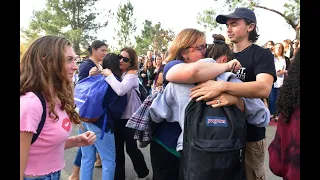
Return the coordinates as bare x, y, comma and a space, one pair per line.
245, 48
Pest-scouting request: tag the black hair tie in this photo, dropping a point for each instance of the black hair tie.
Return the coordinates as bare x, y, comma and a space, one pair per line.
218, 42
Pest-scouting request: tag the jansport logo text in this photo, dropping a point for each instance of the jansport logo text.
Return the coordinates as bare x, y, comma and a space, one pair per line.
216, 121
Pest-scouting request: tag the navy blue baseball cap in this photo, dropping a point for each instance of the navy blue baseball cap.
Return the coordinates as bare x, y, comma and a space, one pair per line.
239, 13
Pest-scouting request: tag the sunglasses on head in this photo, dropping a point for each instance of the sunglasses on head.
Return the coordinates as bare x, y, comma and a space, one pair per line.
125, 59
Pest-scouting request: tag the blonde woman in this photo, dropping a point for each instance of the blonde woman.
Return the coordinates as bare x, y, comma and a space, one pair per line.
188, 47
281, 66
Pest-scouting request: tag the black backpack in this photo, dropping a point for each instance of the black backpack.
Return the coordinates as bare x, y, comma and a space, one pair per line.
213, 142
143, 93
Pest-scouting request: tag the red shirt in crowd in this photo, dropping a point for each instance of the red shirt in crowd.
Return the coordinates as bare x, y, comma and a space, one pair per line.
284, 150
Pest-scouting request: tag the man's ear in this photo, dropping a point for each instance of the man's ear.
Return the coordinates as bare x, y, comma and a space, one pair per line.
251, 27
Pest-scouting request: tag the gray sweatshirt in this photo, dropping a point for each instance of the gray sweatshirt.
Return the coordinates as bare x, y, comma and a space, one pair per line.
171, 104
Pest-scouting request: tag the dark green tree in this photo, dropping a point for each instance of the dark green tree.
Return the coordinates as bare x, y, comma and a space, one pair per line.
153, 38
161, 38
73, 19
144, 41
127, 24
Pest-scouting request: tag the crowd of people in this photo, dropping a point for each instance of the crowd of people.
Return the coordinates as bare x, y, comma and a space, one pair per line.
269, 91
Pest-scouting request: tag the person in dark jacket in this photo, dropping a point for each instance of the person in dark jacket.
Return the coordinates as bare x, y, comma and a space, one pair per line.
115, 106
147, 75
284, 150
97, 51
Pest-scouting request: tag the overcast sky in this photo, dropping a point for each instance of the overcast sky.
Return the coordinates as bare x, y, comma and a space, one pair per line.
177, 15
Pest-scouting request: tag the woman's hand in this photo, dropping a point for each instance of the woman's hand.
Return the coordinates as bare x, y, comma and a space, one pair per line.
234, 63
223, 100
207, 90
106, 72
85, 139
94, 71
226, 100
281, 72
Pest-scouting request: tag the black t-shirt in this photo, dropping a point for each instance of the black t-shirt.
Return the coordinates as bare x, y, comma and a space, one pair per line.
255, 60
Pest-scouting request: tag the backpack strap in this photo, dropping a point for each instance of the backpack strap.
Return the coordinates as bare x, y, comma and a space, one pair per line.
43, 117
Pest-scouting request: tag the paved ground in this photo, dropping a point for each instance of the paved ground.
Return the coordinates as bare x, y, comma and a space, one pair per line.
130, 173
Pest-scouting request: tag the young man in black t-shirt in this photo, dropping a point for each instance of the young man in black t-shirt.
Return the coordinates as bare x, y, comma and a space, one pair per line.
257, 73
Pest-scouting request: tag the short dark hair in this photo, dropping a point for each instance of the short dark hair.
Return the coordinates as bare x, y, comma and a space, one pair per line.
96, 44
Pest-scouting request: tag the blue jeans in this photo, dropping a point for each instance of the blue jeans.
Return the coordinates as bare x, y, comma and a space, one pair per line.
272, 100
77, 160
106, 149
51, 176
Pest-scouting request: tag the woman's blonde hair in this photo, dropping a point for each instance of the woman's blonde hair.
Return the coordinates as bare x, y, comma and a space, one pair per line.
185, 39
43, 66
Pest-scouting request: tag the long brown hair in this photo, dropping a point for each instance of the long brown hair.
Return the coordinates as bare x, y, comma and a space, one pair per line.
145, 65
281, 47
182, 41
43, 66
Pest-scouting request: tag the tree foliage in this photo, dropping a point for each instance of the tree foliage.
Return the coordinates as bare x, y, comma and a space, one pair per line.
22, 49
127, 24
73, 19
291, 13
153, 38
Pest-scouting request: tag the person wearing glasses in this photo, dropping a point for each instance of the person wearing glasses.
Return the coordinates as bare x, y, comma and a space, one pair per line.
257, 73
176, 96
188, 47
129, 85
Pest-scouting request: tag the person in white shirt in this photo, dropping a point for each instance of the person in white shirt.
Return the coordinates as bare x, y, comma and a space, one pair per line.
280, 65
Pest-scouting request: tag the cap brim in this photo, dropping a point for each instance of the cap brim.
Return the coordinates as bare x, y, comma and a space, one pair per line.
222, 19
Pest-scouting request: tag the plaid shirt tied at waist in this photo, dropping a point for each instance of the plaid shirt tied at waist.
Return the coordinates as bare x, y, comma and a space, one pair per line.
140, 120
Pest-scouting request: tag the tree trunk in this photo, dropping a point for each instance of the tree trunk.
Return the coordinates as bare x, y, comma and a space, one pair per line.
76, 47
297, 34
